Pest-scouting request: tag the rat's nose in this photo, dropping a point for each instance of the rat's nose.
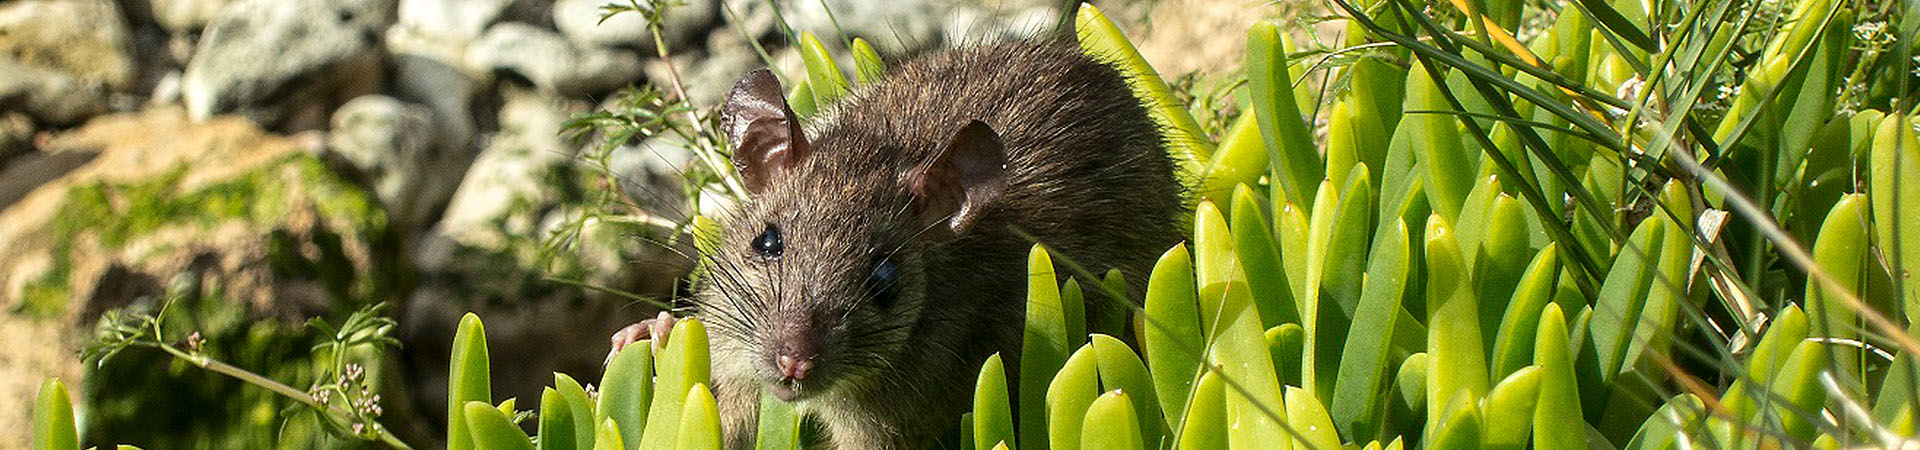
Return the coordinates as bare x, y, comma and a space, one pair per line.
793, 360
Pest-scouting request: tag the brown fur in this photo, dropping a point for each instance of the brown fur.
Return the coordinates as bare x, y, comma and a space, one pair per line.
1086, 174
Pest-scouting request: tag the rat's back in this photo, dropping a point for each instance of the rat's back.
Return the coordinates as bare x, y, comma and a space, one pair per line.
1087, 171
887, 242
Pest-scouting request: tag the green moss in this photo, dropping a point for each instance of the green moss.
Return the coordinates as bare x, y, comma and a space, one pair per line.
47, 296
111, 215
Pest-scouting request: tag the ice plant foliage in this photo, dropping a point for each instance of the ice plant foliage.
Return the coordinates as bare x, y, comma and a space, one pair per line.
1636, 228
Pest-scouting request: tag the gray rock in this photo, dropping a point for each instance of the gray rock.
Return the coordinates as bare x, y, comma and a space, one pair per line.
892, 27
685, 24
457, 19
427, 70
709, 75
752, 16
50, 97
86, 39
651, 173
16, 136
185, 16
516, 167
550, 62
392, 144
973, 25
538, 13
278, 60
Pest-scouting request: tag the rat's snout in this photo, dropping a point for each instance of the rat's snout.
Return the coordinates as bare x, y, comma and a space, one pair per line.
794, 349
793, 359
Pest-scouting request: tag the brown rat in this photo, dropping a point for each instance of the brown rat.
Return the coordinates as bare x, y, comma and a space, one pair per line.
879, 258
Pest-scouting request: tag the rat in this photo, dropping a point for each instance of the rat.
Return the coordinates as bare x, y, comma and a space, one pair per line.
879, 257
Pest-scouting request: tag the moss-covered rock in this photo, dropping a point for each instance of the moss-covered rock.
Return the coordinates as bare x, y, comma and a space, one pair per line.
243, 235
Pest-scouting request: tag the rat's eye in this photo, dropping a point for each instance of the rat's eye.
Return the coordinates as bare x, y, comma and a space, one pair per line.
769, 243
884, 281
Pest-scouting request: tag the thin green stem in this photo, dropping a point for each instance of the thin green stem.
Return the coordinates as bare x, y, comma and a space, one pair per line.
331, 412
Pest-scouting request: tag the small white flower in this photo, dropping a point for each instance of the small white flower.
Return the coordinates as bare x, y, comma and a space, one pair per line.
1869, 31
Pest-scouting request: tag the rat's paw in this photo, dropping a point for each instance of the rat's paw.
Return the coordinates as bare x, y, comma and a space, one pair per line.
655, 330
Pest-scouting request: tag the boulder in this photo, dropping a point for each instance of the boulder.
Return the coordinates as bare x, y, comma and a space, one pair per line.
50, 97
151, 193
16, 136
391, 145
551, 62
708, 76
285, 62
652, 173
85, 39
428, 70
685, 24
248, 232
186, 16
978, 26
516, 176
892, 27
457, 19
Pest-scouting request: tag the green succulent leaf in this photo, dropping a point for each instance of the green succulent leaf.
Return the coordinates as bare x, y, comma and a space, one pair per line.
683, 364
556, 429
1170, 329
626, 392
491, 429
467, 380
1043, 347
699, 421
1112, 424
824, 78
53, 418
992, 410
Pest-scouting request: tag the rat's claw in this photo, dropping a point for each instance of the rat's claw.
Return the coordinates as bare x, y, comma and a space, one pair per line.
662, 325
654, 330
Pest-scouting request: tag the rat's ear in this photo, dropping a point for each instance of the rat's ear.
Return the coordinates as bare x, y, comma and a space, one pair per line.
956, 186
763, 131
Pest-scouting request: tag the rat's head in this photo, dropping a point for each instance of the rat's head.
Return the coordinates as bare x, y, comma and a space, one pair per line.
819, 281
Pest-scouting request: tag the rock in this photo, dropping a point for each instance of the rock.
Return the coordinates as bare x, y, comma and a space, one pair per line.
538, 13
506, 189
427, 70
86, 39
246, 225
685, 24
391, 143
892, 27
755, 17
708, 76
976, 26
550, 62
16, 136
133, 169
186, 16
52, 98
457, 19
652, 172
285, 62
